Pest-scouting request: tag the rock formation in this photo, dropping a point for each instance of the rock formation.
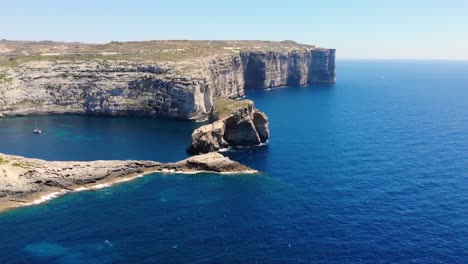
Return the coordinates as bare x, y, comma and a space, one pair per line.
295, 68
24, 180
179, 79
234, 123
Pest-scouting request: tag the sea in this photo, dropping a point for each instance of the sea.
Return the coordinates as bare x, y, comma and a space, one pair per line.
373, 169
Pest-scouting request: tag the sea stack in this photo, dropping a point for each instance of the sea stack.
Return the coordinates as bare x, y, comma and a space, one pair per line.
234, 123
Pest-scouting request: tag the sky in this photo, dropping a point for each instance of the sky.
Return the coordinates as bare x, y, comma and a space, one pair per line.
362, 29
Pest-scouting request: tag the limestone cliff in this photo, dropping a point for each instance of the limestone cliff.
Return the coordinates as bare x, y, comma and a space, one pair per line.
179, 79
295, 68
234, 123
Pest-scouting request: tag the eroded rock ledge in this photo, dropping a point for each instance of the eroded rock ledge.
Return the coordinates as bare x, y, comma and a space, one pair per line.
234, 123
25, 180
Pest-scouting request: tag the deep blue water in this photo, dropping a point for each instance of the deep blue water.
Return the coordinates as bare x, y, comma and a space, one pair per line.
371, 170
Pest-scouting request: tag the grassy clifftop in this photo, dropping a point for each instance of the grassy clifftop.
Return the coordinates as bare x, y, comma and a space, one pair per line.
14, 52
225, 107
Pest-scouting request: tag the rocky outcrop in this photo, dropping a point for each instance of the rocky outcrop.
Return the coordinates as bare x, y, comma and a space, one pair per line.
260, 121
208, 138
211, 162
179, 79
234, 123
26, 180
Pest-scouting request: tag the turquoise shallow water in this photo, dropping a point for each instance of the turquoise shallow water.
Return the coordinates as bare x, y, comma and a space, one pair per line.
371, 170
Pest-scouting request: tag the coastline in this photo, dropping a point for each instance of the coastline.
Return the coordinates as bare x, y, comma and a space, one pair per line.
46, 197
207, 163
141, 72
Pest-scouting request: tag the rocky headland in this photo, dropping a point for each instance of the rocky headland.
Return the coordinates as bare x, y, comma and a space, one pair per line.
25, 181
233, 123
195, 80
179, 79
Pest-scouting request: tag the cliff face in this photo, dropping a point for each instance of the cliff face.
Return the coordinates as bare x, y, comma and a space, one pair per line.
183, 86
115, 88
272, 69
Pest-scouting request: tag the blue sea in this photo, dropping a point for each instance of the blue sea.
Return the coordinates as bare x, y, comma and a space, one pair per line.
371, 170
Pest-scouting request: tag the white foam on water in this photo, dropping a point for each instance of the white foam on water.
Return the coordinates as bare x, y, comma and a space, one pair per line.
53, 195
45, 198
108, 243
108, 184
258, 145
202, 120
201, 172
224, 149
126, 179
189, 172
237, 172
261, 144
274, 88
100, 186
168, 171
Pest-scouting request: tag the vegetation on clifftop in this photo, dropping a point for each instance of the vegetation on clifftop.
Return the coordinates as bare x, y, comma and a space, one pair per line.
4, 77
226, 107
16, 52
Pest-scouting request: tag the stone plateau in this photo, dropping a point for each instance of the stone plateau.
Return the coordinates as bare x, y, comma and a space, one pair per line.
179, 79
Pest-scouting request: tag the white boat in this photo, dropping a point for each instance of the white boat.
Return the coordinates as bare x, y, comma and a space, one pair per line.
36, 130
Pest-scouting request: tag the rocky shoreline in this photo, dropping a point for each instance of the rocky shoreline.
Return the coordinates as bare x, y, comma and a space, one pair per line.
195, 80
26, 181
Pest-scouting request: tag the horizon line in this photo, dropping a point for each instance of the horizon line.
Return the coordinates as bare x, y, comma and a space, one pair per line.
402, 59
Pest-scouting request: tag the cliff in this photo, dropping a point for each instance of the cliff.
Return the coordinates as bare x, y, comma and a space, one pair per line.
27, 181
179, 79
294, 68
234, 123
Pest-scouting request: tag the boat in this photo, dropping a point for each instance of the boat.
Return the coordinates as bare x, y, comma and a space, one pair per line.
36, 130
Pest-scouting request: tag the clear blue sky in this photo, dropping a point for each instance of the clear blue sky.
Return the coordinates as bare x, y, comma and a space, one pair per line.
427, 29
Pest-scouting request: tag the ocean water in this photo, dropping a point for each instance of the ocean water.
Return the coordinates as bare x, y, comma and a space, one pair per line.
371, 170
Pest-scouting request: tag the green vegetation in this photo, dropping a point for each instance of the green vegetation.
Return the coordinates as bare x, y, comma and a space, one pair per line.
21, 165
150, 51
225, 107
55, 58
9, 63
25, 104
154, 56
4, 77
